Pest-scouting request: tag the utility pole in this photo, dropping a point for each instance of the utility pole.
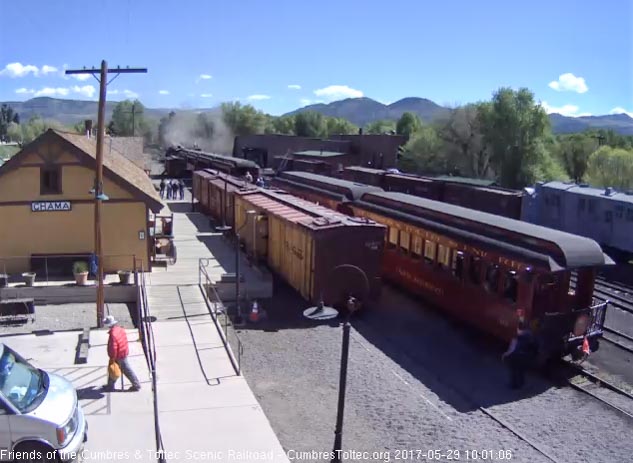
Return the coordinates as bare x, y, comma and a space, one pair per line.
98, 187
133, 112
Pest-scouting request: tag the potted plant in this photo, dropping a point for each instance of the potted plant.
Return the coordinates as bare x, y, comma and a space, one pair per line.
80, 270
29, 278
124, 277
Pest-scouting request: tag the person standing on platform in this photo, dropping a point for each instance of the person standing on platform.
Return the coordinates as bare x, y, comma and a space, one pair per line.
162, 188
168, 189
181, 188
118, 351
249, 177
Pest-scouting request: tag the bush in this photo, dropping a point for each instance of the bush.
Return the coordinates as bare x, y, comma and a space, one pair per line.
80, 267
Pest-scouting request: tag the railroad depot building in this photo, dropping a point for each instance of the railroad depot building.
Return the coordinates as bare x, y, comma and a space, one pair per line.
47, 207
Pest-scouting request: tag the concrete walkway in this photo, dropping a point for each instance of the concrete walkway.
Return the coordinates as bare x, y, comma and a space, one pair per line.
206, 411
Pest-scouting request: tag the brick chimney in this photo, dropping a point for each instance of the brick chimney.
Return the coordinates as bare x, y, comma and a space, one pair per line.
88, 127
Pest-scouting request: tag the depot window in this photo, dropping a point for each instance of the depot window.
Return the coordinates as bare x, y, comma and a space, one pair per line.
430, 248
50, 180
416, 247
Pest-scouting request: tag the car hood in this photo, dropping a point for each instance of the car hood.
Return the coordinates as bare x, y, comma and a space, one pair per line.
59, 403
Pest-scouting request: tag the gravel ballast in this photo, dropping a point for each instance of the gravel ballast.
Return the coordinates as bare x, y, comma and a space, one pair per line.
416, 383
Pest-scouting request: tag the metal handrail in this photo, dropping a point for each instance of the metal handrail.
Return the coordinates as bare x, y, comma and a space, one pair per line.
205, 286
146, 333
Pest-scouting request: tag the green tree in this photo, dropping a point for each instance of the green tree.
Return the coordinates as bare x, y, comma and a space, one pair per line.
284, 125
243, 120
464, 145
423, 153
608, 137
611, 167
128, 119
310, 124
574, 151
340, 126
7, 116
380, 127
408, 124
14, 132
515, 129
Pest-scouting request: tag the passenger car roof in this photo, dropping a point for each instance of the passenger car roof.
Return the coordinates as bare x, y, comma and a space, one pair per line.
577, 251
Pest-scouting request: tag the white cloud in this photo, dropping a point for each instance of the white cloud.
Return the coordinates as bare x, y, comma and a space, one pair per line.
50, 91
294, 87
163, 92
206, 95
568, 110
338, 92
620, 110
204, 77
86, 90
81, 77
258, 97
112, 92
46, 69
569, 83
19, 70
130, 94
24, 91
305, 101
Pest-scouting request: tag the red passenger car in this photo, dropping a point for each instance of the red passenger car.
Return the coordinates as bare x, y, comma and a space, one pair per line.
489, 270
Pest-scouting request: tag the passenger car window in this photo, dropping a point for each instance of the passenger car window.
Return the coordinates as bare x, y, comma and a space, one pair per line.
619, 211
429, 251
458, 264
608, 216
582, 202
443, 256
492, 278
393, 238
511, 286
629, 215
474, 270
404, 241
416, 247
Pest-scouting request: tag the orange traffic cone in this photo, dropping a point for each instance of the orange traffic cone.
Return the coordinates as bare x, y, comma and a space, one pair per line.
254, 315
585, 346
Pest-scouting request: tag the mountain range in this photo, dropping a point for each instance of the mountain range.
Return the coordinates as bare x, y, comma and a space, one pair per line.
359, 111
362, 111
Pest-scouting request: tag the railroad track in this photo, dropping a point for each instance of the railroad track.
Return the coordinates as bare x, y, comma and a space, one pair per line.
618, 339
594, 386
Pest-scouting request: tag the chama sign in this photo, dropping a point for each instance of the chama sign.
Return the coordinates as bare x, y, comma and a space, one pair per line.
50, 206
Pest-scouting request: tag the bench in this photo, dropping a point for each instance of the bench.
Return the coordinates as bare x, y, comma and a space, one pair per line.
17, 309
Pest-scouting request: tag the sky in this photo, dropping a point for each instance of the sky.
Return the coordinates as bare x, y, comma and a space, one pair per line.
278, 55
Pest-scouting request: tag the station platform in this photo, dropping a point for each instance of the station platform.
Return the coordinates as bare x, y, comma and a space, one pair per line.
206, 410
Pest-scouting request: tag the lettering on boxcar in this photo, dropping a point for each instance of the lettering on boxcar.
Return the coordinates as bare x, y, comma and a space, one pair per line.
419, 281
511, 263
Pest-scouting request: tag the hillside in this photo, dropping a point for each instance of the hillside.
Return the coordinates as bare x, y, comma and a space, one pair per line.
361, 111
69, 111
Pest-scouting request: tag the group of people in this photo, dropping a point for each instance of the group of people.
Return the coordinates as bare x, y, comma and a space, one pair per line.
172, 189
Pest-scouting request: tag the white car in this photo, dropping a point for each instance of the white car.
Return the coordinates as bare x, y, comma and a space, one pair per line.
40, 416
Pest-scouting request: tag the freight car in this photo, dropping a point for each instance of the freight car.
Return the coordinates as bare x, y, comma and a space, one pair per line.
305, 244
180, 161
491, 271
215, 193
604, 215
331, 192
477, 194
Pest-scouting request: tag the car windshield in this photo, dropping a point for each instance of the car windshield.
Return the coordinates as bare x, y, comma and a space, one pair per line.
20, 383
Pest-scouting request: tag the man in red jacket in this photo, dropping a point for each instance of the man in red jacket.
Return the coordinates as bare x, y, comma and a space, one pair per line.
118, 351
